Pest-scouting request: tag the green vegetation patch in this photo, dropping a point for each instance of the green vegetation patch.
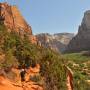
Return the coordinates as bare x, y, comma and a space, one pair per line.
19, 52
81, 70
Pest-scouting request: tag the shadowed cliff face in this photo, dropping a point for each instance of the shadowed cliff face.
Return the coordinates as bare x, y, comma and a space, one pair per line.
11, 17
82, 40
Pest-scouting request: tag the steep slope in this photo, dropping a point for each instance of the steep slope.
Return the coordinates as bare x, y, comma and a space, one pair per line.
13, 19
81, 41
6, 83
17, 52
56, 42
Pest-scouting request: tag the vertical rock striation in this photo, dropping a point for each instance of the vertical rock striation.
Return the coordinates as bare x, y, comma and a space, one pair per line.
81, 42
11, 17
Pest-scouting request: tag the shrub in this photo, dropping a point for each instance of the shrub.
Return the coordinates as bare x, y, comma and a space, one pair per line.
36, 78
10, 60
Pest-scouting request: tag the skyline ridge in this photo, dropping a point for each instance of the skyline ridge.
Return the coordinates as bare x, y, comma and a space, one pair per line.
52, 16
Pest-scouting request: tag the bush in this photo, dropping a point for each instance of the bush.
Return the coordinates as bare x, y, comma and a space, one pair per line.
53, 71
36, 78
10, 60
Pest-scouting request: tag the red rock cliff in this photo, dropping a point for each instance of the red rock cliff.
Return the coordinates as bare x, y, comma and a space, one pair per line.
11, 17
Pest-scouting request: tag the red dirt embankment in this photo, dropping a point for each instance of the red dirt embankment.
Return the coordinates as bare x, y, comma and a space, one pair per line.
6, 84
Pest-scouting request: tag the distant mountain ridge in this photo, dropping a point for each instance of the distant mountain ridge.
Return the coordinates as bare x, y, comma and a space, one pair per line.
57, 41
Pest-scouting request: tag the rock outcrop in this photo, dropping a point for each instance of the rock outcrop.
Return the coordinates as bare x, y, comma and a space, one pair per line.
81, 42
6, 83
11, 17
56, 42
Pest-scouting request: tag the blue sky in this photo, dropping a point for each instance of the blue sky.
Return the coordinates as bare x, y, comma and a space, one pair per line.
52, 16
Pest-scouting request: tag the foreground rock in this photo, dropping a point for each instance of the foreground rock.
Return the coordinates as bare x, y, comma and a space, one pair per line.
81, 42
7, 84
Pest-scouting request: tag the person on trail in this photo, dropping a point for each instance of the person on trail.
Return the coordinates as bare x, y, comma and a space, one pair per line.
22, 74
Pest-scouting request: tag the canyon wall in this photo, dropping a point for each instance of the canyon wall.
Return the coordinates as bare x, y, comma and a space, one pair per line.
81, 42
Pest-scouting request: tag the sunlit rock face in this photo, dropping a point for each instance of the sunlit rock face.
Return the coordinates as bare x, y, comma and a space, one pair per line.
56, 42
82, 40
11, 17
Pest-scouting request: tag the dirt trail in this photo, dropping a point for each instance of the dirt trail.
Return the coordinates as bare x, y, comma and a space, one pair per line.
6, 84
69, 79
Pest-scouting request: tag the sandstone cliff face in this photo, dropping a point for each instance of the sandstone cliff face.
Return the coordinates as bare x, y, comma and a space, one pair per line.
11, 17
56, 42
81, 41
64, 37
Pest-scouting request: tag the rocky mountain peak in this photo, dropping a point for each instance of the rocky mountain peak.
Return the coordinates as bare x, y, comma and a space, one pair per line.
81, 41
13, 20
86, 19
11, 17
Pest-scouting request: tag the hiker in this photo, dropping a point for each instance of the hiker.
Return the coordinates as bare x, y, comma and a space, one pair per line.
22, 74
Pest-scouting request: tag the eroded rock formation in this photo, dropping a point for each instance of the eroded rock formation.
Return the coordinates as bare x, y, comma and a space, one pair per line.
81, 42
56, 42
6, 83
11, 17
